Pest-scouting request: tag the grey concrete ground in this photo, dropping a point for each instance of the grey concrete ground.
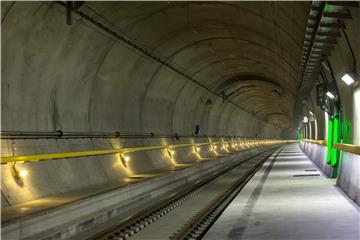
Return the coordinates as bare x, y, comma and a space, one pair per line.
277, 205
168, 225
348, 174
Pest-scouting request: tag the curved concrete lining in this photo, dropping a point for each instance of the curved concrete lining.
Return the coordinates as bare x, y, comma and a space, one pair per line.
79, 78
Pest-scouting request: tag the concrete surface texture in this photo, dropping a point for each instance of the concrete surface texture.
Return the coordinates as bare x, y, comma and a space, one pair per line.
340, 61
317, 153
79, 78
349, 168
281, 202
237, 74
89, 210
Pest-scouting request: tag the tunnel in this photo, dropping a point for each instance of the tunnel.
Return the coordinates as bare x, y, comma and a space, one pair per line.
180, 120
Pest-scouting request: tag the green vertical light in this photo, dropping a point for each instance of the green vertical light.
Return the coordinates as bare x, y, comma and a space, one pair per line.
329, 140
299, 135
346, 131
334, 151
327, 7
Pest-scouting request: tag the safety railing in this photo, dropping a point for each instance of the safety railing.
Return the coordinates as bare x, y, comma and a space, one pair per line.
355, 149
348, 148
226, 145
319, 142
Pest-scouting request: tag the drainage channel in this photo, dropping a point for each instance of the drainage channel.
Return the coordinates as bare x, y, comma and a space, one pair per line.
189, 213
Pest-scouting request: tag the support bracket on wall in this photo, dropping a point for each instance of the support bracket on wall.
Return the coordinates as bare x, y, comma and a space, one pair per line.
70, 6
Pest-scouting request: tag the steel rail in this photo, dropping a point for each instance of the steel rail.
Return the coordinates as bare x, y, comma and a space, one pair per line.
142, 219
201, 223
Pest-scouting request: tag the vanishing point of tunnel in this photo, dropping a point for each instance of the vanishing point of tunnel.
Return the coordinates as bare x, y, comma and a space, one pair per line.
180, 120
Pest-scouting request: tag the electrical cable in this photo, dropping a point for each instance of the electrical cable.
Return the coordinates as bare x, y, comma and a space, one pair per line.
334, 80
351, 50
322, 108
324, 78
337, 103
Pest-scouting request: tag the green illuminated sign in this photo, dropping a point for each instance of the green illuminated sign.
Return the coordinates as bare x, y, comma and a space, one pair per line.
320, 95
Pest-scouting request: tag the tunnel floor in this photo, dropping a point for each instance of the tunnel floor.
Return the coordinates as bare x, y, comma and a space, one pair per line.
289, 198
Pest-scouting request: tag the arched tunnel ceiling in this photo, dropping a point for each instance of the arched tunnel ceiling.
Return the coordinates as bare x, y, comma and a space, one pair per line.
247, 51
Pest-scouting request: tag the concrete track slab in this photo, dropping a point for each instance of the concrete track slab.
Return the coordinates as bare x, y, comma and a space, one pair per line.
280, 202
38, 206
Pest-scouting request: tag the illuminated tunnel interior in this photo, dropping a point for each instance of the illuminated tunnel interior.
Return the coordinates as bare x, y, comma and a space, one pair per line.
113, 110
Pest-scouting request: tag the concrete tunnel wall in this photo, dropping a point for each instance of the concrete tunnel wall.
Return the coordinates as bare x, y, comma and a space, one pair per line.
76, 78
341, 62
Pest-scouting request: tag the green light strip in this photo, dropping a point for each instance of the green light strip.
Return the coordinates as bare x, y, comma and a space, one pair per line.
327, 7
329, 140
299, 135
334, 151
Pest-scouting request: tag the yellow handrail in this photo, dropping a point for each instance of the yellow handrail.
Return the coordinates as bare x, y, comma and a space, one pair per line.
355, 149
50, 156
319, 142
348, 148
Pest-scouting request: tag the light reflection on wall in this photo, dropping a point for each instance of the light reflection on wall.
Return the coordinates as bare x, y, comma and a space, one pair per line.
326, 115
356, 117
316, 129
118, 164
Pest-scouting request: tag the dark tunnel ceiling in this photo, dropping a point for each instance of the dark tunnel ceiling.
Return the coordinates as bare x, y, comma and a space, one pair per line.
249, 51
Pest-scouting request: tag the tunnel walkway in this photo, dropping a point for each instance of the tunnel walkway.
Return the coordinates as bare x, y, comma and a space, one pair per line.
289, 198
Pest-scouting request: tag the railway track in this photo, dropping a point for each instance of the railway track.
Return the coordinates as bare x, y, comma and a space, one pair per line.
189, 213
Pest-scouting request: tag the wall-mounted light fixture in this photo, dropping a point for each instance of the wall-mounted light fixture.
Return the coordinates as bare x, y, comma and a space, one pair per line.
196, 151
330, 95
18, 174
348, 79
311, 113
23, 173
170, 152
124, 159
213, 148
306, 119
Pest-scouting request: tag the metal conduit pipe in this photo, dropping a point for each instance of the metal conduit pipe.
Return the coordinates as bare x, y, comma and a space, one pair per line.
63, 135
